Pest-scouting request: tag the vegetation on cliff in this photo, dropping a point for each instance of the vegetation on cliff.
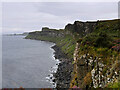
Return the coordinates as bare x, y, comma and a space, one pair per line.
102, 46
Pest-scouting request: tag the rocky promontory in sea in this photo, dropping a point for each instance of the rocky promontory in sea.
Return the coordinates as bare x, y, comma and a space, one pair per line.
89, 53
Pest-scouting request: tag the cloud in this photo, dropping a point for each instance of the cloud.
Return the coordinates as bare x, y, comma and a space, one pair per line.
72, 8
21, 16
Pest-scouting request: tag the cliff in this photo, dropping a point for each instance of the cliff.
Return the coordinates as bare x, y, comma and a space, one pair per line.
46, 34
81, 28
96, 57
91, 51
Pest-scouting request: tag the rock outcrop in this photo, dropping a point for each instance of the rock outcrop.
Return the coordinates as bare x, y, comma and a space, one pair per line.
82, 28
48, 32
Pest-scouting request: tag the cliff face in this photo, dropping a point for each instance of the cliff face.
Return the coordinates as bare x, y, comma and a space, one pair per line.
96, 64
92, 51
90, 71
81, 28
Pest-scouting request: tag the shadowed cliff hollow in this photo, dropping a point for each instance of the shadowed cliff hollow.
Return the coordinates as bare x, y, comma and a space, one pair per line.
90, 53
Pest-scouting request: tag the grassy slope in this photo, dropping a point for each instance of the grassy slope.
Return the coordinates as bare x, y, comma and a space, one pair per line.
43, 38
67, 45
101, 41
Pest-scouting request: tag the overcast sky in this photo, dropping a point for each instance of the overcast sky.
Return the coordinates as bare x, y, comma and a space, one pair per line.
21, 17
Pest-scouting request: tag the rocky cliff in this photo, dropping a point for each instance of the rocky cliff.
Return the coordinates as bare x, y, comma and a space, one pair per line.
96, 63
91, 52
91, 71
81, 28
46, 34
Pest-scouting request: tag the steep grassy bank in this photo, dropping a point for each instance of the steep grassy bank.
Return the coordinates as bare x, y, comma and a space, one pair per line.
95, 48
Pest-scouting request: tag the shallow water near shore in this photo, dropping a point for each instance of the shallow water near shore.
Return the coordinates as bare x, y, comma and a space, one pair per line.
26, 63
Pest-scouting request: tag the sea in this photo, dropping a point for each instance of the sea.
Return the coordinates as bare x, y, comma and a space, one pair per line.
27, 63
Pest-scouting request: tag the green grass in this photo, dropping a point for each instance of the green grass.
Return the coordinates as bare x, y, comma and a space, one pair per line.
67, 45
114, 85
44, 38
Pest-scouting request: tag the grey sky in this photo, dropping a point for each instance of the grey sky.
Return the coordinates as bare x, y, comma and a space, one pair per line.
20, 17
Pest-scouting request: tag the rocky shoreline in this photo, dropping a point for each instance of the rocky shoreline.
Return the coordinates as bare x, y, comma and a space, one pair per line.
65, 67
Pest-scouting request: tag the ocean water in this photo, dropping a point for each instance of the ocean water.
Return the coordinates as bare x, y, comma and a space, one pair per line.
26, 63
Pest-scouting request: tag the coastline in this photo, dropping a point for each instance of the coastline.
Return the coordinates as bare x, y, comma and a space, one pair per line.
95, 49
62, 76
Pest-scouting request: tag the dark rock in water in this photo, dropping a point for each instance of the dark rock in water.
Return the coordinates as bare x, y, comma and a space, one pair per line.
50, 77
53, 80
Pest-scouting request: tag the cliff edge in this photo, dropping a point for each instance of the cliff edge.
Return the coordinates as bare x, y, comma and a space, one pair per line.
91, 50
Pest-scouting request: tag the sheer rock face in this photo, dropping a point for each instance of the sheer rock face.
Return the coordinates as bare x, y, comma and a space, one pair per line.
82, 28
82, 66
101, 74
